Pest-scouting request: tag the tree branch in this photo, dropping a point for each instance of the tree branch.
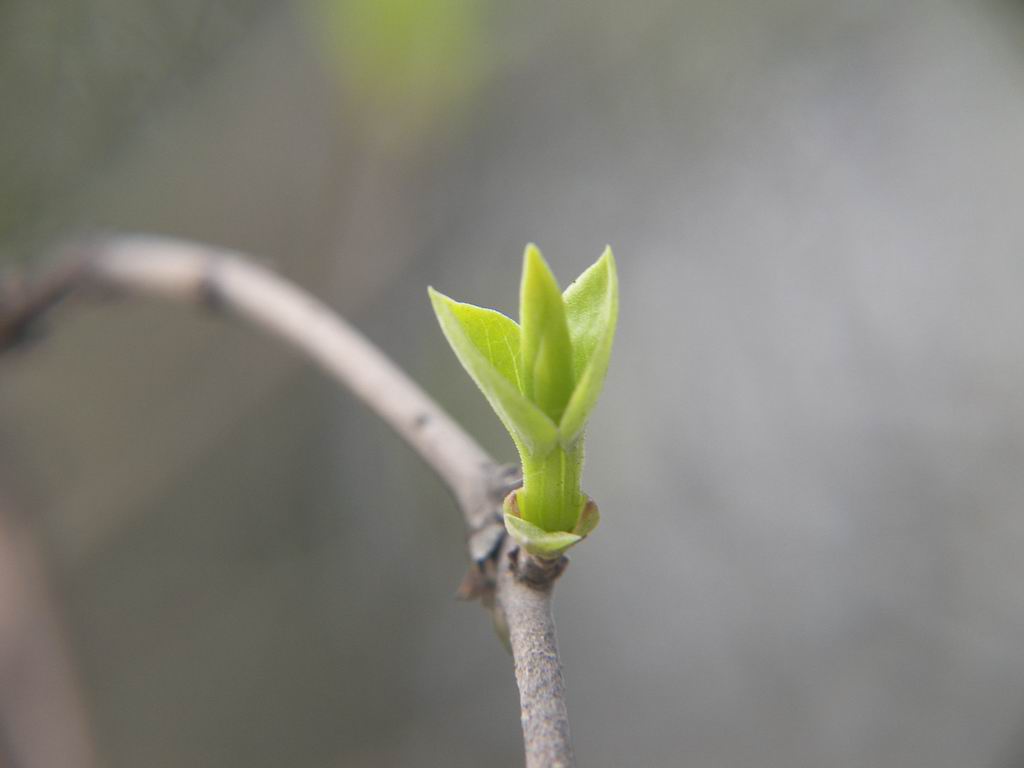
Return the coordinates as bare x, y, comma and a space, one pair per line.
513, 583
524, 597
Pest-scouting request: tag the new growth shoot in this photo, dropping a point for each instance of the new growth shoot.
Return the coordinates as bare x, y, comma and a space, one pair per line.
542, 376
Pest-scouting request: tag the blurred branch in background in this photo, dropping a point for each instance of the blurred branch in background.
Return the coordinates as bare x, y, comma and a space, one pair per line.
42, 720
508, 582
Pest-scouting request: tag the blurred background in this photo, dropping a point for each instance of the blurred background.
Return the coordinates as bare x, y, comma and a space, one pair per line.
808, 454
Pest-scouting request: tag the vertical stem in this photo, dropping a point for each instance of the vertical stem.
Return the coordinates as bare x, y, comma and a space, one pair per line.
551, 488
545, 718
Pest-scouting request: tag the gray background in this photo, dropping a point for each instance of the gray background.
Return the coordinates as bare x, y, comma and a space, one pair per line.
808, 453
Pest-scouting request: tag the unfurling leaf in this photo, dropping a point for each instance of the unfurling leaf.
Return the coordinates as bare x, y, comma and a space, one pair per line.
528, 425
546, 349
592, 309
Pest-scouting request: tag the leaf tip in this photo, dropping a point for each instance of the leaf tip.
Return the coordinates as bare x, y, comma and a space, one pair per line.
536, 267
532, 253
439, 300
608, 259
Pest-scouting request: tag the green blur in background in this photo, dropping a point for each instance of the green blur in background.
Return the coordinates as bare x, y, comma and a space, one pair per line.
408, 66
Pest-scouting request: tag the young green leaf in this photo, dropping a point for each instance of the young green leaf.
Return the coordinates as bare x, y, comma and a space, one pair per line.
545, 346
481, 341
588, 301
538, 542
495, 335
592, 309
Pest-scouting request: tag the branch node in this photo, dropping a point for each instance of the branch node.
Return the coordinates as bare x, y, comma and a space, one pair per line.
535, 572
24, 301
211, 295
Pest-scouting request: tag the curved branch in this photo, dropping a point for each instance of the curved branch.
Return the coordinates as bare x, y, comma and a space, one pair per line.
206, 276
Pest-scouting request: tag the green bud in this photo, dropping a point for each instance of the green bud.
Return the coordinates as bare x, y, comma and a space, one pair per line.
542, 377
